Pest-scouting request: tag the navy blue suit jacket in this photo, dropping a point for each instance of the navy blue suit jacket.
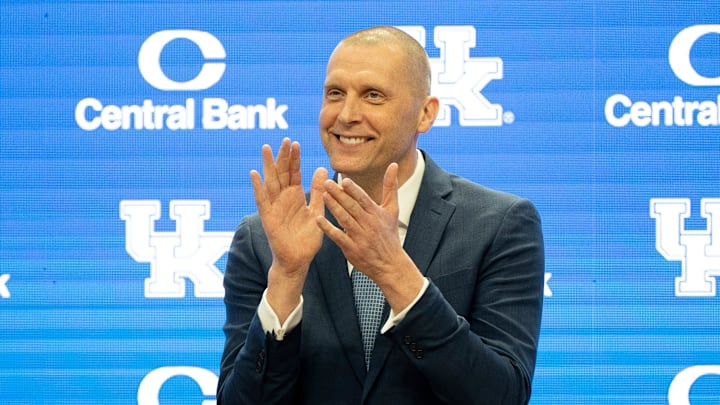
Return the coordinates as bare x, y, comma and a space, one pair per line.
470, 339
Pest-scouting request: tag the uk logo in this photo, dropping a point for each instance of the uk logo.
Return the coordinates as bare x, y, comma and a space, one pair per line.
458, 78
697, 250
188, 253
4, 291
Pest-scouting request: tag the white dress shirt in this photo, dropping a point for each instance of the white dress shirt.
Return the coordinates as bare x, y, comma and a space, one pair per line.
407, 195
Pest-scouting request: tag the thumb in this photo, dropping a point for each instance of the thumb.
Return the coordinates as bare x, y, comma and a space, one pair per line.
390, 189
317, 190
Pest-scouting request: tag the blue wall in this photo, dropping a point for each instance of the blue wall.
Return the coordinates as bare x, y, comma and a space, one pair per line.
603, 113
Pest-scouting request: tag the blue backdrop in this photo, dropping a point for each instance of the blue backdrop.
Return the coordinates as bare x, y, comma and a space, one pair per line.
127, 131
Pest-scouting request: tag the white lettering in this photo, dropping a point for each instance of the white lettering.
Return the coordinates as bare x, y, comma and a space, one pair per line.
620, 111
214, 113
145, 116
610, 104
217, 114
81, 118
149, 60
679, 391
91, 114
149, 389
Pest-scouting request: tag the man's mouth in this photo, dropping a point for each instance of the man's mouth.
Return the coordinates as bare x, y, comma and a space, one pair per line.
351, 140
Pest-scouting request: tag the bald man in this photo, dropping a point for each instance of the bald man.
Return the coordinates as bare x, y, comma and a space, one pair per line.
393, 282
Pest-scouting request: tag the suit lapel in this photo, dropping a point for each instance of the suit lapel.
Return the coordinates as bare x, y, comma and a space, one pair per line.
429, 216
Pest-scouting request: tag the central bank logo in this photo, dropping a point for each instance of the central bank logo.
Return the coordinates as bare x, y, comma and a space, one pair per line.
216, 113
189, 253
681, 386
458, 78
697, 250
210, 73
679, 55
621, 110
150, 387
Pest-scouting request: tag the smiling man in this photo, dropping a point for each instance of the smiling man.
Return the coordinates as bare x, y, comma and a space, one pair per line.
395, 281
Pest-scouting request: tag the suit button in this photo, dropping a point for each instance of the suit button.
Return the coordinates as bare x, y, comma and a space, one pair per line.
260, 362
413, 347
407, 340
419, 354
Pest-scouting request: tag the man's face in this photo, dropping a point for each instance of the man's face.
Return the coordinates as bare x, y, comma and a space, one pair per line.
370, 115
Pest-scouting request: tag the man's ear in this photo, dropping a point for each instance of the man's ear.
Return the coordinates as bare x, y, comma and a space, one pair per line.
428, 113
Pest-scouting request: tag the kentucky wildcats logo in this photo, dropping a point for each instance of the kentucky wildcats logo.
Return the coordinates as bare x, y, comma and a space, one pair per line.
188, 253
457, 78
4, 292
697, 250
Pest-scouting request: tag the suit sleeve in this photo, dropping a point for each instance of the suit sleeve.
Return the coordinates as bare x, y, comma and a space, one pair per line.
488, 356
255, 367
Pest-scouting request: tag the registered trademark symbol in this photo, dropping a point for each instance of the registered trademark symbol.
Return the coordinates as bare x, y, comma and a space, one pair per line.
508, 117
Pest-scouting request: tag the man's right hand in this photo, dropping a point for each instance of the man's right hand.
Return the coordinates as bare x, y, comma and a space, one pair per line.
289, 222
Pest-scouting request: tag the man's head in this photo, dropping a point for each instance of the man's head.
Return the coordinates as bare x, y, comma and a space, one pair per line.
376, 102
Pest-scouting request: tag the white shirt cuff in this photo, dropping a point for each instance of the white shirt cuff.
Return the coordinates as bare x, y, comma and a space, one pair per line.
270, 322
394, 319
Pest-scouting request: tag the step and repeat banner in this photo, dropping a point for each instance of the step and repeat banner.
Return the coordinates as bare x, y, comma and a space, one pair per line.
128, 129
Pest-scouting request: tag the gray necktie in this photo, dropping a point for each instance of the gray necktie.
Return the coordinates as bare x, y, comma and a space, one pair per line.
369, 307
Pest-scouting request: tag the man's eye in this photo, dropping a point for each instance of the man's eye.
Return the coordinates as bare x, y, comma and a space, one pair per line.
374, 96
332, 93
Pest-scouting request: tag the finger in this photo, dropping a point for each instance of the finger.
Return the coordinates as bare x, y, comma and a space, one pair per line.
258, 190
316, 191
342, 203
282, 164
359, 195
334, 233
295, 176
337, 209
269, 171
390, 189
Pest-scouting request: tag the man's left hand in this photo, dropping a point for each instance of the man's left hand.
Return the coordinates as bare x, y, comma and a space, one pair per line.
369, 237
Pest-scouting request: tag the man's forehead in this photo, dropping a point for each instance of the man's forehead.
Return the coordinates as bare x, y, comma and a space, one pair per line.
371, 56
359, 78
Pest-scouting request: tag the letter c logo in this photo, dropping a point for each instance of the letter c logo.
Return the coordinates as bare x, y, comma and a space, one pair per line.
679, 55
149, 389
679, 392
149, 60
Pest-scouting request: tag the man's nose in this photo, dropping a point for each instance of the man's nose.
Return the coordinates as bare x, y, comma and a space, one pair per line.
351, 110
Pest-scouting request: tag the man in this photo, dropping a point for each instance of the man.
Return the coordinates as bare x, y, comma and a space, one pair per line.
460, 266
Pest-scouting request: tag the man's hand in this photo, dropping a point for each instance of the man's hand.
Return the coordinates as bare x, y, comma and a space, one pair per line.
289, 222
369, 238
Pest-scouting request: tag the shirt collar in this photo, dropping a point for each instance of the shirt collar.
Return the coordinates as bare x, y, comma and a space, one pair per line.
408, 192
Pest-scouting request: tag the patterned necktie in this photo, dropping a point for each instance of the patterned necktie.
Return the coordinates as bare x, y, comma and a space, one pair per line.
369, 306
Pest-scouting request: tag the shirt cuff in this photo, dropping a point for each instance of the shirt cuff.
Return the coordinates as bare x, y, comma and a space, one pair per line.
270, 322
394, 319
